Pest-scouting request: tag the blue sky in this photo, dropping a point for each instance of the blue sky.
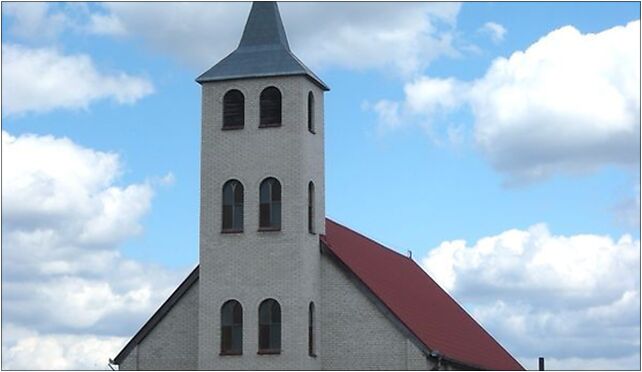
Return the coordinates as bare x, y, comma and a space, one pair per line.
414, 177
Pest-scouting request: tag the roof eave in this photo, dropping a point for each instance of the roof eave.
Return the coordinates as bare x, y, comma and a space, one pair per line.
204, 79
158, 315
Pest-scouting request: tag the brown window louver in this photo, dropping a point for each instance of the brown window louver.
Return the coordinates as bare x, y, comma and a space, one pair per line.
233, 110
270, 107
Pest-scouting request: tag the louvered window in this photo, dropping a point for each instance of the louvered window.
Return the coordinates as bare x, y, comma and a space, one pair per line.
231, 328
270, 107
233, 110
311, 112
269, 327
311, 207
311, 330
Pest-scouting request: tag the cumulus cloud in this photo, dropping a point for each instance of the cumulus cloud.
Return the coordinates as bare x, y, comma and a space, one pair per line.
570, 103
67, 289
495, 31
406, 36
35, 21
61, 352
106, 24
568, 298
43, 79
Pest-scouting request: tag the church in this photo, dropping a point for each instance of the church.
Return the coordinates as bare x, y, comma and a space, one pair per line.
279, 286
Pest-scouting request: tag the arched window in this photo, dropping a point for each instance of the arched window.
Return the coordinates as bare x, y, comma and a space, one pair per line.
231, 328
232, 206
311, 112
311, 207
270, 204
233, 110
270, 107
269, 327
311, 321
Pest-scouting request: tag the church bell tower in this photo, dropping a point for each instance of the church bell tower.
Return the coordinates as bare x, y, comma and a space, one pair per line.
262, 204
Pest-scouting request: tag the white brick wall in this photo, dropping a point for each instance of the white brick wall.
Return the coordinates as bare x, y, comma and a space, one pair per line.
351, 333
172, 344
253, 266
355, 335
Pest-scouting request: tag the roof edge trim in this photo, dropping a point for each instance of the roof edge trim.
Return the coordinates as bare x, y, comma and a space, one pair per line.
201, 79
158, 315
382, 305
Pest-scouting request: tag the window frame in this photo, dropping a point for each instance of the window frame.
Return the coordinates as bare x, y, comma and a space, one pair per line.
311, 208
226, 107
271, 204
234, 207
271, 325
311, 333
263, 115
230, 351
311, 112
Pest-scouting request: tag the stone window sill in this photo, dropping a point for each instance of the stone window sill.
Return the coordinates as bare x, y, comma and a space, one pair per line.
236, 127
275, 125
269, 352
231, 231
229, 353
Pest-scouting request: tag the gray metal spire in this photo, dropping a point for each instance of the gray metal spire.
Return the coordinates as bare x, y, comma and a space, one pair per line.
264, 27
263, 50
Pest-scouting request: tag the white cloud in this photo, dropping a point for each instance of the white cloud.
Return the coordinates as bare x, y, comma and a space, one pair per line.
406, 36
69, 295
495, 31
568, 298
61, 352
106, 24
34, 21
429, 96
43, 79
570, 103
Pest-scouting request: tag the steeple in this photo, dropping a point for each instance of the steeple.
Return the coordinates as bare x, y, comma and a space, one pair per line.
264, 27
263, 51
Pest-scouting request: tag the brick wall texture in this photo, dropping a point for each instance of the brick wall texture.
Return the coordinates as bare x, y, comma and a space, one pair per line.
285, 265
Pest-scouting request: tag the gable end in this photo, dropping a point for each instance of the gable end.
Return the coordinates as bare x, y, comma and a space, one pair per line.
390, 315
163, 310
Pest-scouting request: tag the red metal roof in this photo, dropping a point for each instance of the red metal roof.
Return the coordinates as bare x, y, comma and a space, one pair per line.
417, 301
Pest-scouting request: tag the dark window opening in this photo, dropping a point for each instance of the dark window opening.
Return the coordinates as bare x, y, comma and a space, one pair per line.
231, 328
270, 204
270, 107
311, 112
269, 327
311, 330
233, 110
232, 206
311, 207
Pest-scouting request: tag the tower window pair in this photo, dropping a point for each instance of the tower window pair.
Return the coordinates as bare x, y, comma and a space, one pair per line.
269, 327
269, 205
269, 107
